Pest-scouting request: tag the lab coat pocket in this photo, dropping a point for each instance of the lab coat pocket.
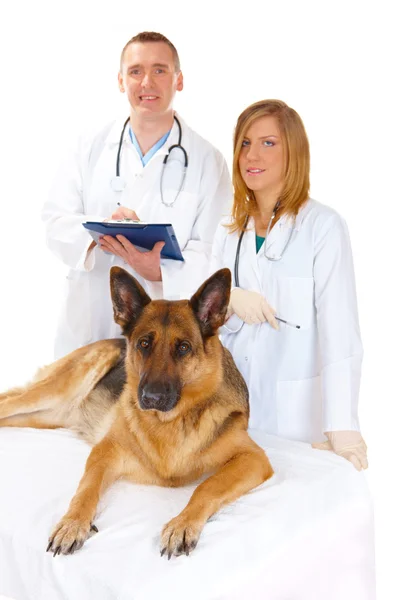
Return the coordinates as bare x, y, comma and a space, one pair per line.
295, 300
299, 409
77, 308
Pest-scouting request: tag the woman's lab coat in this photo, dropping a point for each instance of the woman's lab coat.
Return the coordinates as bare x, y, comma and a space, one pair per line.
82, 192
304, 381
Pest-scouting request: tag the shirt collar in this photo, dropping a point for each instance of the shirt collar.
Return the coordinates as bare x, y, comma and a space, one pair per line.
115, 134
145, 158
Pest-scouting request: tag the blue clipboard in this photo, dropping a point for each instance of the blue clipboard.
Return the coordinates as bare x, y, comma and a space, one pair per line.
142, 235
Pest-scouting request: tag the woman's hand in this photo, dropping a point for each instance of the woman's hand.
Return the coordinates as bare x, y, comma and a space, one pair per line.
251, 307
348, 444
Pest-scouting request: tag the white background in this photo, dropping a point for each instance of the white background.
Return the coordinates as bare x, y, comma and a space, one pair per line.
336, 63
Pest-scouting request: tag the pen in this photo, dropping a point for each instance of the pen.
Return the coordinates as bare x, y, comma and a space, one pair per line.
287, 322
129, 220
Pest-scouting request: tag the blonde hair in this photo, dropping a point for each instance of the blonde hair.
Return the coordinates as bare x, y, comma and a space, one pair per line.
296, 183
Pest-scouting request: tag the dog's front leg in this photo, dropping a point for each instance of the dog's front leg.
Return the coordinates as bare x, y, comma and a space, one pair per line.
103, 467
240, 474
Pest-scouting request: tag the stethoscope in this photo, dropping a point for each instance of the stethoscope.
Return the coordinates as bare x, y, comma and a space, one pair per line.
272, 258
118, 184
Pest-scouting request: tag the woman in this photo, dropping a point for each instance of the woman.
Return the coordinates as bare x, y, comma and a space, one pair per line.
303, 365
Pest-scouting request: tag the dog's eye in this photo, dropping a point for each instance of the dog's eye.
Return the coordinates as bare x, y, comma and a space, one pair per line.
183, 347
144, 344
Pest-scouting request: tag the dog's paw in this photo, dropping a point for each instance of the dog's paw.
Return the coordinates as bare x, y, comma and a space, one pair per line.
70, 535
180, 536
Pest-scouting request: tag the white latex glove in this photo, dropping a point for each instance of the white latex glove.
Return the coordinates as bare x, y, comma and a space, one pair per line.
348, 444
251, 307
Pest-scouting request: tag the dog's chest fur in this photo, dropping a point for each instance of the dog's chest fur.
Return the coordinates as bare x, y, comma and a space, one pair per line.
178, 451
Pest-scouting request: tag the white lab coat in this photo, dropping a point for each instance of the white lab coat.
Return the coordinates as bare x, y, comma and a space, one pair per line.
82, 192
301, 382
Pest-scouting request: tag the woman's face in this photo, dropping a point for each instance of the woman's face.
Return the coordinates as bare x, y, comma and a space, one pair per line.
261, 160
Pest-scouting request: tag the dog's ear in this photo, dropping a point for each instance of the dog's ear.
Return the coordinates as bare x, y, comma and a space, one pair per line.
128, 298
211, 300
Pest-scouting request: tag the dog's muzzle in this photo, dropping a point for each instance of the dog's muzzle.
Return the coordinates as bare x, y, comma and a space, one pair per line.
163, 396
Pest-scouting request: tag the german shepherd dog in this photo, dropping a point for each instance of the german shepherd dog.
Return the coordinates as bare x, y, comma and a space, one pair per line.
162, 407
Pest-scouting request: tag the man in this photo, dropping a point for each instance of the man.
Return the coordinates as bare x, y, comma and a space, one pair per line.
89, 188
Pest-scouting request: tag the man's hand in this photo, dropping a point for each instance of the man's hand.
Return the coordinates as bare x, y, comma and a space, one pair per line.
348, 444
121, 213
146, 264
124, 213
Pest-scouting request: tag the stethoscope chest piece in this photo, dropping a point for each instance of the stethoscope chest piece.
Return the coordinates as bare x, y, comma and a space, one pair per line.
117, 183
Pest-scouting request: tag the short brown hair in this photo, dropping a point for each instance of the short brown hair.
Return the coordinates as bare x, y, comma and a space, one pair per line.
296, 184
152, 36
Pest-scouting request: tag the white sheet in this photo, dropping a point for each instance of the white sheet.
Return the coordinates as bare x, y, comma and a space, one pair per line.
307, 534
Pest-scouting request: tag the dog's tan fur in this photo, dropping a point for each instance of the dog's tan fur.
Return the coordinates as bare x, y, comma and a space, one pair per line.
195, 420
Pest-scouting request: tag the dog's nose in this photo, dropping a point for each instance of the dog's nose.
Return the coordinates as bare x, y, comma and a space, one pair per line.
158, 396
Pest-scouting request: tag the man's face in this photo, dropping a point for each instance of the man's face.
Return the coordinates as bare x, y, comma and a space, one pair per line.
149, 78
